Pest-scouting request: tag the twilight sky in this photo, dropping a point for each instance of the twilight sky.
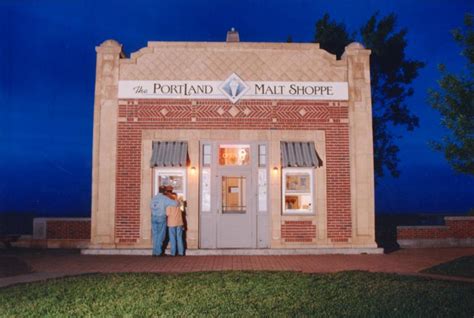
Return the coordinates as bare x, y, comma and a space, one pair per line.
47, 75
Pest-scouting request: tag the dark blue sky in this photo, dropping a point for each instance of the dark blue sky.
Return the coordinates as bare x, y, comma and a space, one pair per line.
47, 75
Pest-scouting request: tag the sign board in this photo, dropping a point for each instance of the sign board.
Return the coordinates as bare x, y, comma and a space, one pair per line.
234, 89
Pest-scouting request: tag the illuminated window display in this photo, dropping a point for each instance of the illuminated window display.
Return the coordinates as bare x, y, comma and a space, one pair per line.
298, 191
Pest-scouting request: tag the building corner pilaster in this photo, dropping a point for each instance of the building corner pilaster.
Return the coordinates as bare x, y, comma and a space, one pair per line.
104, 144
361, 145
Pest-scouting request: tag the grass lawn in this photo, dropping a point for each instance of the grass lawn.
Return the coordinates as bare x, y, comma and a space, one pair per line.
463, 266
240, 294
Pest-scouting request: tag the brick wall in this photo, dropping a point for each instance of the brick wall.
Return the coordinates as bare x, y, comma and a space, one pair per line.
422, 232
461, 227
456, 228
298, 231
70, 230
137, 115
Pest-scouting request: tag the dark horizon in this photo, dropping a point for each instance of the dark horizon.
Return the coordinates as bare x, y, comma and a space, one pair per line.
47, 88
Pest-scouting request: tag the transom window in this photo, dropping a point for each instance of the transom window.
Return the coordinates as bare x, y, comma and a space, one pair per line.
234, 155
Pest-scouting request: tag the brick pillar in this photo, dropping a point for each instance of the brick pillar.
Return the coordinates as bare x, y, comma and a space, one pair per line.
105, 144
361, 145
339, 222
127, 214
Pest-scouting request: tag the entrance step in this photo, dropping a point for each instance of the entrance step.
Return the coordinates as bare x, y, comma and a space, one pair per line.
216, 252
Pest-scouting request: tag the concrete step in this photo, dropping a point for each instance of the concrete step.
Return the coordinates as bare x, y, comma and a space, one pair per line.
215, 252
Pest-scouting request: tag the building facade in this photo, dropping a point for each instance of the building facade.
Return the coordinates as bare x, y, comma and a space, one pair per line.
270, 144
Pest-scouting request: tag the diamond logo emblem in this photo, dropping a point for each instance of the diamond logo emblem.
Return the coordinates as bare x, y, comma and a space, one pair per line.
234, 88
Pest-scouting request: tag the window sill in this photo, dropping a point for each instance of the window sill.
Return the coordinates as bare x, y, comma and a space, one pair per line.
298, 214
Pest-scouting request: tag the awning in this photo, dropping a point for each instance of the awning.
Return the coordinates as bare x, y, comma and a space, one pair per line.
299, 154
169, 154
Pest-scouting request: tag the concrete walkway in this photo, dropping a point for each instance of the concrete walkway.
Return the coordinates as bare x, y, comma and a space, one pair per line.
408, 261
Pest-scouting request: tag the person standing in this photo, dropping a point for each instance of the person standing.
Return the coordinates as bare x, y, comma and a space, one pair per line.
158, 205
175, 227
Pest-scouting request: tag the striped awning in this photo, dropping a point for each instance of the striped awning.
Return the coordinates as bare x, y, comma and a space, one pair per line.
299, 154
169, 154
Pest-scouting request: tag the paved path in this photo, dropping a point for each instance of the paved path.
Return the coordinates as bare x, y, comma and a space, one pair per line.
408, 261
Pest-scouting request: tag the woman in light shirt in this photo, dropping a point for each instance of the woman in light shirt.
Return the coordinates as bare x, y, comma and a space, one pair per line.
175, 226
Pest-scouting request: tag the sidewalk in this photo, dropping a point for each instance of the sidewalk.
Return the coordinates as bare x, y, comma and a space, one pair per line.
408, 261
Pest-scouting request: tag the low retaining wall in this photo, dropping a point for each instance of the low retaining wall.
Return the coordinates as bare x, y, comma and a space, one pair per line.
458, 231
58, 233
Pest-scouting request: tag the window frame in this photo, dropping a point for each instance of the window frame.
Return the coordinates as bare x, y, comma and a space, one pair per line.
290, 170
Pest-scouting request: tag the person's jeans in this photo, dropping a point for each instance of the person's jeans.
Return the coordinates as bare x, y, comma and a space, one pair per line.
158, 227
176, 238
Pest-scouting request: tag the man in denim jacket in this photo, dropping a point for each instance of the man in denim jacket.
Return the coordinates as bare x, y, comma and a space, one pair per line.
158, 205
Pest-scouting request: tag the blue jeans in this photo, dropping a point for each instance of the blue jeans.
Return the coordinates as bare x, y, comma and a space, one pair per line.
158, 228
176, 236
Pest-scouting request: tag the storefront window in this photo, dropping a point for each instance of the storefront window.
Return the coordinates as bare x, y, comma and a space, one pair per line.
297, 190
234, 155
172, 177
